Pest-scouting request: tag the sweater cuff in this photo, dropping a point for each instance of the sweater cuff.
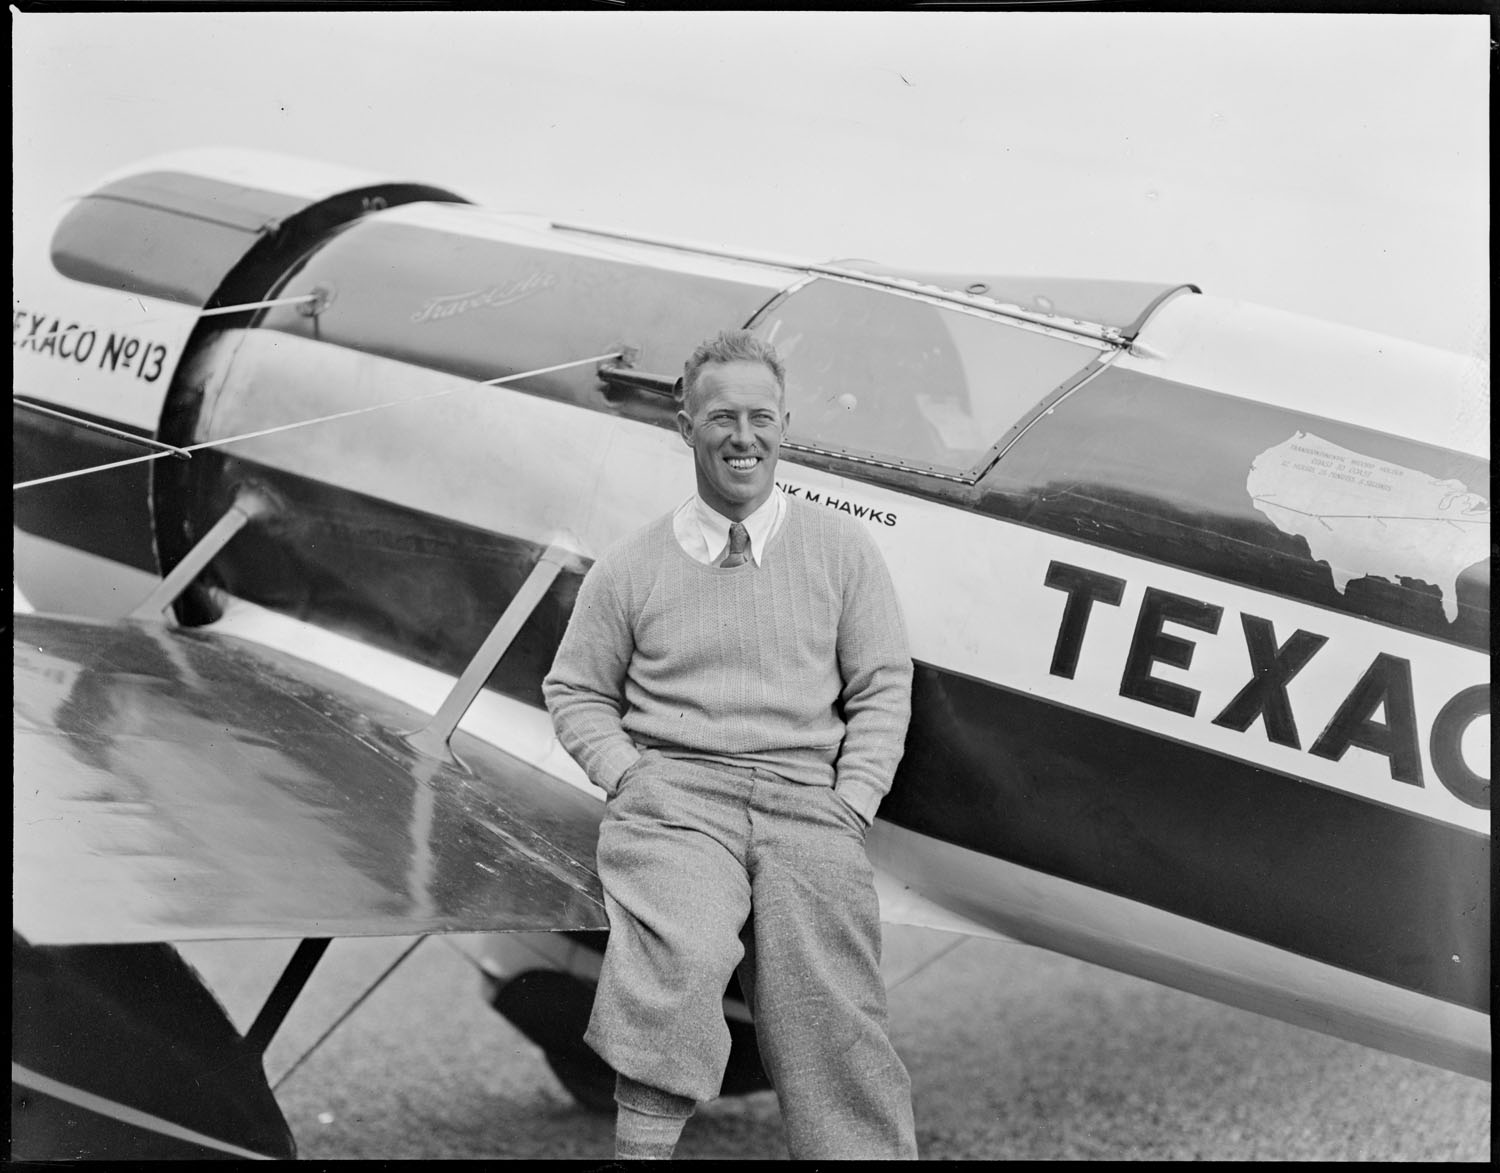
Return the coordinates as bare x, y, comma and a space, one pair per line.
862, 798
612, 764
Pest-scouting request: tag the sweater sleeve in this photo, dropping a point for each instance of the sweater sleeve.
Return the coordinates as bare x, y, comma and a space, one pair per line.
584, 690
876, 668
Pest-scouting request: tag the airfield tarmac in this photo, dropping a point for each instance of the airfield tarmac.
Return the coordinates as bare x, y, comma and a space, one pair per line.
1015, 1054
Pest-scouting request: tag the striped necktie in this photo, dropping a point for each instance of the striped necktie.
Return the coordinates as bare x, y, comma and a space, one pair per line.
739, 547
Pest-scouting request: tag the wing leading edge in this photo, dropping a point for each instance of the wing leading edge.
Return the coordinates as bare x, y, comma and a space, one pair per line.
173, 784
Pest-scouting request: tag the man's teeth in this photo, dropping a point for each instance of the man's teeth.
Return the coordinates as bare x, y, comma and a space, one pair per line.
743, 463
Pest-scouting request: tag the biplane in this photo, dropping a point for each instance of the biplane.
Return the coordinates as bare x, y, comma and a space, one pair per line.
1197, 594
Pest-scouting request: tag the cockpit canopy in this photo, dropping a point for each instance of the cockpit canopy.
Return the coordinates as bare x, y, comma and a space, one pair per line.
908, 380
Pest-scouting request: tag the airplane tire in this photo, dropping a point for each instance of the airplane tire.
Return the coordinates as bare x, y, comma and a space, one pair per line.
551, 1009
587, 1079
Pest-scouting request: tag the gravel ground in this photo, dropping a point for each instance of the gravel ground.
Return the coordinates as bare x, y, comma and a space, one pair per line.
1015, 1054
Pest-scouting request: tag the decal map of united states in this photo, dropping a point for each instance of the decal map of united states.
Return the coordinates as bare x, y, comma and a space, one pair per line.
1365, 516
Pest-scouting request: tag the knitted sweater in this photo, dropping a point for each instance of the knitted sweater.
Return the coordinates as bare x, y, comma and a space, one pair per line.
799, 666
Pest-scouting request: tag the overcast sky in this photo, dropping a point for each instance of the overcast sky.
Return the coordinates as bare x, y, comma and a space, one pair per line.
1335, 165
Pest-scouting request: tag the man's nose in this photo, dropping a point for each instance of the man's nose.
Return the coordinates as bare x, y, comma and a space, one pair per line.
744, 434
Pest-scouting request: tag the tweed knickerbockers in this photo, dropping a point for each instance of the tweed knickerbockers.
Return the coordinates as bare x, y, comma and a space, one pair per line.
687, 850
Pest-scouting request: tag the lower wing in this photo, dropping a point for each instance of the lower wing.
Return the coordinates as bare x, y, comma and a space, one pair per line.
176, 784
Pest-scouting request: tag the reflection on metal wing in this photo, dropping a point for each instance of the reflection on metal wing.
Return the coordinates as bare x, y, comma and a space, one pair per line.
172, 784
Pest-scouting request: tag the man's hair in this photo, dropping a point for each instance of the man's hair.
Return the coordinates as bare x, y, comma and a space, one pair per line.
731, 346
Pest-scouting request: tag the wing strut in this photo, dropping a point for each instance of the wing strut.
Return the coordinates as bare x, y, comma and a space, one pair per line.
432, 739
248, 505
288, 986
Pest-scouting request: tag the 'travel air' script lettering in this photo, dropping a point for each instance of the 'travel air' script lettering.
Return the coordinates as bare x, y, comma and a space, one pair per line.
505, 293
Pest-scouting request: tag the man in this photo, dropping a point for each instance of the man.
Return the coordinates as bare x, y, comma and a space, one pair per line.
735, 677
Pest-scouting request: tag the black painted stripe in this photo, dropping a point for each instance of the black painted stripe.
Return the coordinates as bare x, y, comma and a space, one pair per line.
1158, 469
104, 513
1313, 870
1319, 872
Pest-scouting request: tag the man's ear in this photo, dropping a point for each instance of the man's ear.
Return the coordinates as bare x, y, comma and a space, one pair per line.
685, 427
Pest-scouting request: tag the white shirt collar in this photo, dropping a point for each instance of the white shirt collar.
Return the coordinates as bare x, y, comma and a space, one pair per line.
713, 526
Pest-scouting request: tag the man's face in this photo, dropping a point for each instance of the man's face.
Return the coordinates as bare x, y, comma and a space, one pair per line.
734, 422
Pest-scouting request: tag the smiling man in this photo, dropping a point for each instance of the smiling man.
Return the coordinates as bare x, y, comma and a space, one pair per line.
735, 677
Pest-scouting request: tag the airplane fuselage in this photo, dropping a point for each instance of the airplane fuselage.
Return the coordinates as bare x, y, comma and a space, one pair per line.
1197, 592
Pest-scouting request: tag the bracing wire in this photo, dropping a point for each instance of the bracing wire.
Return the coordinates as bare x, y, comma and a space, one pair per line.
352, 1007
926, 963
260, 305
90, 425
78, 472
186, 310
